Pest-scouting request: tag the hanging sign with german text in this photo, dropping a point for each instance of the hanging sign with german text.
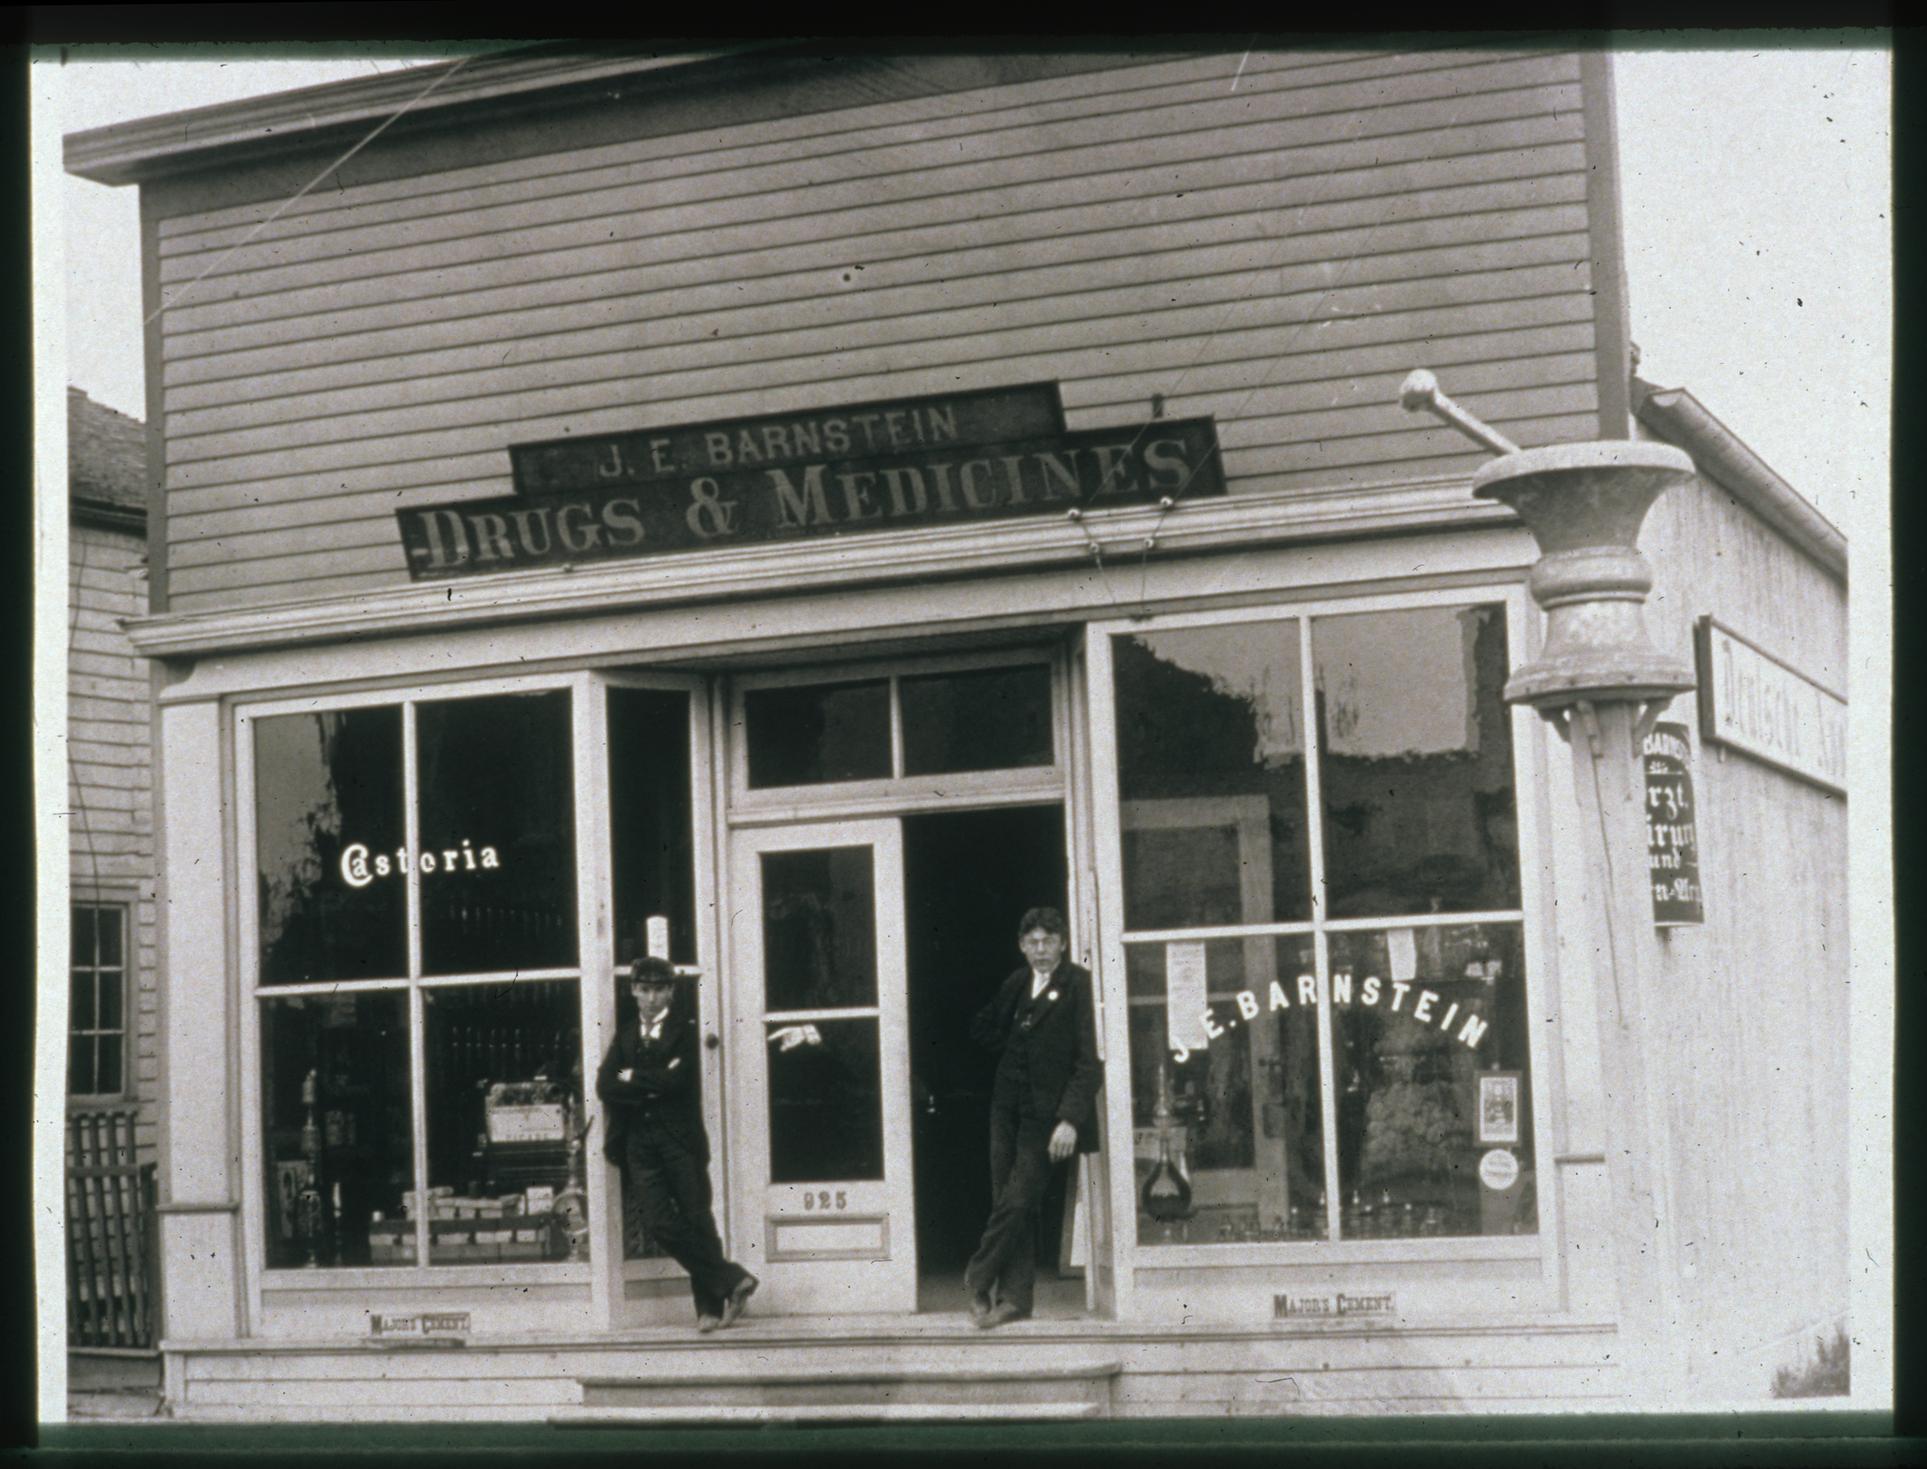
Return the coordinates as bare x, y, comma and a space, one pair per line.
936, 485
1672, 841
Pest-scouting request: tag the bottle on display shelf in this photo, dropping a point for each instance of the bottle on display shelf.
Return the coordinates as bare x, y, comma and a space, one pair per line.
1167, 1192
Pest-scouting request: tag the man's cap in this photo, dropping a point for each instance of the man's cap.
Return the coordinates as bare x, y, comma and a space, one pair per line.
650, 970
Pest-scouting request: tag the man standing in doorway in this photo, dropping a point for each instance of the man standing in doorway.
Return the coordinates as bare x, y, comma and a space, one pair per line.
653, 1107
1042, 1108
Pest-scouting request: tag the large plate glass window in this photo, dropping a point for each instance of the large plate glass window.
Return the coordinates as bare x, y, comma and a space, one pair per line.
1324, 928
416, 929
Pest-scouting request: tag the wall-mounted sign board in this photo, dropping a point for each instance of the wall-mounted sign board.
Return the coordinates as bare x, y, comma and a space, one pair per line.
1753, 702
1672, 833
861, 431
938, 485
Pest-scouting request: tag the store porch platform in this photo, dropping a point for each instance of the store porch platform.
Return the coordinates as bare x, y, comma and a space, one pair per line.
881, 1368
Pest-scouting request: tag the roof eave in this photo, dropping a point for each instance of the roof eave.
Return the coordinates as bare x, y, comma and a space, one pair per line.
1681, 419
178, 142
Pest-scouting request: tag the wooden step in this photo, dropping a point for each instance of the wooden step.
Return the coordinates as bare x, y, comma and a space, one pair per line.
727, 1413
860, 1387
862, 1381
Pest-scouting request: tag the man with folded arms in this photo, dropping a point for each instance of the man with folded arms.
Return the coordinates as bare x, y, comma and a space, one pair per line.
653, 1107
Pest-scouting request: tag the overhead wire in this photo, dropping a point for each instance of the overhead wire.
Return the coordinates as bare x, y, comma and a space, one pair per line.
299, 194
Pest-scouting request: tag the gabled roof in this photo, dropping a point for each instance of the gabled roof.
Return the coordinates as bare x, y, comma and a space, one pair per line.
106, 459
1679, 418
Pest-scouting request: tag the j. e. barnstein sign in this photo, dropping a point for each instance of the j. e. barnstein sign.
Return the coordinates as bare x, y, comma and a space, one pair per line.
886, 467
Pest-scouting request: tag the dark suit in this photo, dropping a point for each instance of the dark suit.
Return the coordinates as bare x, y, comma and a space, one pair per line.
1047, 1073
655, 1131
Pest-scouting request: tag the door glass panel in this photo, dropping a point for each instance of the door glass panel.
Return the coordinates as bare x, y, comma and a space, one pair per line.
978, 719
819, 929
1415, 761
649, 818
1211, 769
329, 786
498, 833
825, 1101
807, 734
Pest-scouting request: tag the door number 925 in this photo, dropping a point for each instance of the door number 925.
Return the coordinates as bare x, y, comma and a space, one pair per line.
824, 1199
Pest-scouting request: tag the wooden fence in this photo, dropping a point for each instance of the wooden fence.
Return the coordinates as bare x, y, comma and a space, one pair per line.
113, 1288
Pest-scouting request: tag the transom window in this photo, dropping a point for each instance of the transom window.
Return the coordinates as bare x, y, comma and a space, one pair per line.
979, 716
1324, 928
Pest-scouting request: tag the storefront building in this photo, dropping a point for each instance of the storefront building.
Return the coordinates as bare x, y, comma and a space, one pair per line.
794, 514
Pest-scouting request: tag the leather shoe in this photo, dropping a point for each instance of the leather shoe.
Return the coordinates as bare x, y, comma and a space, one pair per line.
707, 1323
998, 1314
980, 1306
738, 1298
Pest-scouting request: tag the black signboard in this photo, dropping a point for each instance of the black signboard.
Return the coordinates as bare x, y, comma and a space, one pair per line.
1672, 847
862, 431
744, 505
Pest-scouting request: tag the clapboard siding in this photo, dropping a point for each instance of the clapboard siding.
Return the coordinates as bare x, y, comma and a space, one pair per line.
904, 359
1431, 341
418, 357
1079, 300
1010, 120
437, 288
584, 301
1270, 239
555, 358
1761, 1063
109, 818
1018, 102
907, 171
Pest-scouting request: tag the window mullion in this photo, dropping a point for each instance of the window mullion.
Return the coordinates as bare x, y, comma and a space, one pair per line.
1321, 951
417, 1038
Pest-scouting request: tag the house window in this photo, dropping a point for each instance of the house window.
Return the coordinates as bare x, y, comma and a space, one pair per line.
418, 981
1324, 928
97, 1002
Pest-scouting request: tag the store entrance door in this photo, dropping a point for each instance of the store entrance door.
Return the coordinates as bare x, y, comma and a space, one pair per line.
969, 876
820, 1110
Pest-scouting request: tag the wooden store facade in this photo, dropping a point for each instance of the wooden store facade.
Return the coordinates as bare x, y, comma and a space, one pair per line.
794, 513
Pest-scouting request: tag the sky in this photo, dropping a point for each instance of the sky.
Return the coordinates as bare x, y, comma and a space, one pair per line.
1755, 190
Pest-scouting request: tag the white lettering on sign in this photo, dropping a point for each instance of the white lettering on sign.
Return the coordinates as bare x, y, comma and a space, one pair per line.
1751, 701
359, 866
1370, 991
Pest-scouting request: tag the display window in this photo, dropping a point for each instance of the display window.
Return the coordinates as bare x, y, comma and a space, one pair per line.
1322, 924
415, 953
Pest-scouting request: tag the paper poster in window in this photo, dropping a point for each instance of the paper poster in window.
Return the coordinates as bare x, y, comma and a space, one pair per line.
1498, 1108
